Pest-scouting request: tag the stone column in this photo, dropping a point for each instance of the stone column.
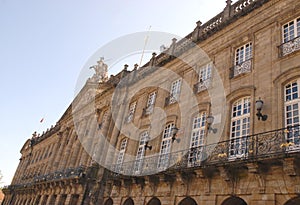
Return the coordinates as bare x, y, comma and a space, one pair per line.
78, 155
85, 141
89, 142
62, 141
68, 200
80, 199
55, 150
101, 140
42, 200
118, 125
75, 148
17, 172
67, 151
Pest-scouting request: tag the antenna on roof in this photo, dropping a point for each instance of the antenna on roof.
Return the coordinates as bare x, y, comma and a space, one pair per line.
146, 41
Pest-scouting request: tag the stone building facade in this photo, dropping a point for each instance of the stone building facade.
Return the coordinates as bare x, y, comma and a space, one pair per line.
214, 120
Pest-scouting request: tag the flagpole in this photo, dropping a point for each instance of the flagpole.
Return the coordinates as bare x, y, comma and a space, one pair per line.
146, 40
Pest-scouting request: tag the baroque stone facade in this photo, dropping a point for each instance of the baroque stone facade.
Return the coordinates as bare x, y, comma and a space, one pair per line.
217, 126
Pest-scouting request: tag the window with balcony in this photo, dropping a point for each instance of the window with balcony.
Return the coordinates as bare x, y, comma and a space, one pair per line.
292, 105
174, 92
141, 152
196, 154
150, 103
204, 78
131, 112
242, 61
165, 148
290, 37
104, 120
121, 155
240, 128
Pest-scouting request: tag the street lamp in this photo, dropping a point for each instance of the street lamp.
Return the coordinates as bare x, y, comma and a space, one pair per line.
259, 105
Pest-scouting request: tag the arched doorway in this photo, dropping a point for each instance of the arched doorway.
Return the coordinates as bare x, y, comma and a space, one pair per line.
109, 202
128, 201
234, 201
294, 201
188, 201
154, 201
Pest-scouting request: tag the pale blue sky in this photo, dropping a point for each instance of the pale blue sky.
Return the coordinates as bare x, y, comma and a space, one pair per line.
44, 45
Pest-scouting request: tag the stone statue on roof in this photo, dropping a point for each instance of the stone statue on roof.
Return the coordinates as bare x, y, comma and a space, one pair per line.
101, 74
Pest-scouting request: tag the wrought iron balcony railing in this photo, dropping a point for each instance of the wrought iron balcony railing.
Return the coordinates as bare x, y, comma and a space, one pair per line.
70, 173
244, 67
173, 98
290, 46
202, 85
148, 110
77, 172
272, 144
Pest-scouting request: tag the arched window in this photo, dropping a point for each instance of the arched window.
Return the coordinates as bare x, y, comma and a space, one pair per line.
108, 202
240, 128
121, 154
234, 201
144, 137
188, 201
197, 140
292, 108
128, 201
154, 201
294, 201
165, 147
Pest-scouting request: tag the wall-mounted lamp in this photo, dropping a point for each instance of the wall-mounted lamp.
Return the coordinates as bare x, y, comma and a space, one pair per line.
209, 121
174, 131
259, 105
148, 146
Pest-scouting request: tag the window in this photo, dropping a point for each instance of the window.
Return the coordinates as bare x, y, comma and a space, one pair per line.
174, 92
197, 140
131, 112
205, 72
291, 30
240, 127
292, 105
165, 147
204, 78
121, 154
104, 120
243, 53
141, 151
175, 88
150, 103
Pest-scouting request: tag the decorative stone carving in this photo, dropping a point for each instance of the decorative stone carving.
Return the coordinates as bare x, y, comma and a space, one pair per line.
290, 47
289, 167
253, 168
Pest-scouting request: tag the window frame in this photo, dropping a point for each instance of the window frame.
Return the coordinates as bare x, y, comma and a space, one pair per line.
288, 36
166, 146
197, 139
175, 88
292, 100
246, 55
121, 154
207, 70
240, 122
140, 154
131, 111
